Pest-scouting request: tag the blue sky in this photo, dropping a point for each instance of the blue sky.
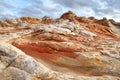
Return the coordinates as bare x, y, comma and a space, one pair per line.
54, 8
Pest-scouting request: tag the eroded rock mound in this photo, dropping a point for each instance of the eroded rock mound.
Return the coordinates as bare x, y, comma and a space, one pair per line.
68, 48
103, 22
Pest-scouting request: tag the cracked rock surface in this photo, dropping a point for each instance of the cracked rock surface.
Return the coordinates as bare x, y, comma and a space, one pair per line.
68, 48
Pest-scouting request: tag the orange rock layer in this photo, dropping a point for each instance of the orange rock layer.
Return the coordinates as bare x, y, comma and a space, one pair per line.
75, 42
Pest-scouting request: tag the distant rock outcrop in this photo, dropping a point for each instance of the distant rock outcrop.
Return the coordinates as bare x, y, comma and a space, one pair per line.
103, 22
68, 48
69, 15
115, 26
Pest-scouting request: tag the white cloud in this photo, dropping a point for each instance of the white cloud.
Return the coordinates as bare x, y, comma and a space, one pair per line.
7, 14
54, 8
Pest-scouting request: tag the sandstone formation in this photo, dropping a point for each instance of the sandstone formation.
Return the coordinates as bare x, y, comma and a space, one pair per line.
115, 26
68, 48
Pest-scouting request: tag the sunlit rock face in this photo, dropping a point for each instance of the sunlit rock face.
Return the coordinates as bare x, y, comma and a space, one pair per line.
67, 48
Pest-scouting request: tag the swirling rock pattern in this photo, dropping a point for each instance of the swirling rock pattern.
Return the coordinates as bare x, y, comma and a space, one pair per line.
68, 48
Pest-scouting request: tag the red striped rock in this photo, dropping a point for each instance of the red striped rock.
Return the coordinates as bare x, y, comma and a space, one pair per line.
68, 48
